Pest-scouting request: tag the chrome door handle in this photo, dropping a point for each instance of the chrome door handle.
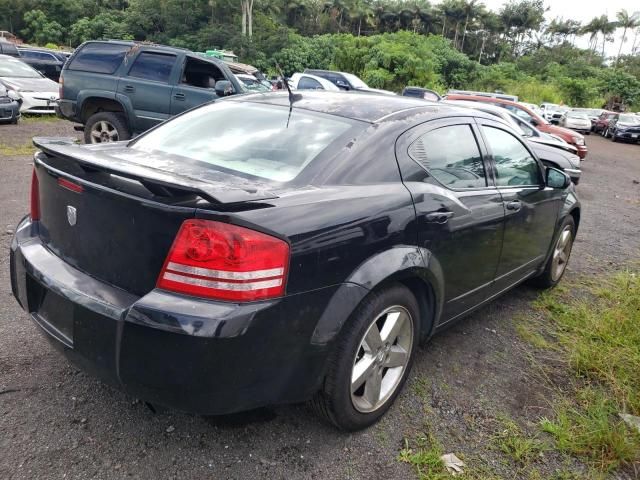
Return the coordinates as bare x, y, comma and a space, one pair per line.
129, 88
439, 217
179, 96
515, 205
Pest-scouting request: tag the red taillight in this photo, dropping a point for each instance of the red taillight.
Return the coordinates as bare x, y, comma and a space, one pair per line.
69, 185
222, 261
35, 197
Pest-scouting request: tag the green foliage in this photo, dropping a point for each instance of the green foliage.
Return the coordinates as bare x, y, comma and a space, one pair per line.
40, 29
600, 336
389, 43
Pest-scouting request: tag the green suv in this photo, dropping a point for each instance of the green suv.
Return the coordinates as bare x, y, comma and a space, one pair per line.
117, 89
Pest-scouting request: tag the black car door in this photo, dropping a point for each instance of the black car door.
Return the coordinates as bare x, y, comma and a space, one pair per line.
459, 212
531, 209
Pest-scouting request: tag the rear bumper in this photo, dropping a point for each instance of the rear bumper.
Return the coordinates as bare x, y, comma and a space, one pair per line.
193, 355
67, 109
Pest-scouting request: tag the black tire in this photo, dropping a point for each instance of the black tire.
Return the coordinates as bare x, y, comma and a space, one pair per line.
334, 401
113, 126
14, 121
548, 278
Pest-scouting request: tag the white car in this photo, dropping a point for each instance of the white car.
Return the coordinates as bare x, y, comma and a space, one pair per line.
253, 84
35, 92
305, 81
578, 121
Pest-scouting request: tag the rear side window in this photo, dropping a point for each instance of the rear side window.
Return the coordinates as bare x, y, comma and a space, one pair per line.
451, 155
153, 66
308, 83
99, 57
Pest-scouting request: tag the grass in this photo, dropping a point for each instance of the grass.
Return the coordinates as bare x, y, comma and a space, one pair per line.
515, 444
599, 334
39, 119
15, 150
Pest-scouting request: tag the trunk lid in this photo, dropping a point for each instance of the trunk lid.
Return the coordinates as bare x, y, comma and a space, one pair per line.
121, 224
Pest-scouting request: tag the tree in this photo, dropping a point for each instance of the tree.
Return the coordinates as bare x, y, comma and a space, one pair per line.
626, 21
40, 29
247, 17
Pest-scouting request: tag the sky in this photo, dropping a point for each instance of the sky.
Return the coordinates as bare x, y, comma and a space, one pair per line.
584, 11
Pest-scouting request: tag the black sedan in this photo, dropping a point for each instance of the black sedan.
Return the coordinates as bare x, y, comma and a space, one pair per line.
251, 252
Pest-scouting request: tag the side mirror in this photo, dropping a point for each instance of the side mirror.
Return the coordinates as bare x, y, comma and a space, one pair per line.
534, 122
557, 178
224, 88
342, 84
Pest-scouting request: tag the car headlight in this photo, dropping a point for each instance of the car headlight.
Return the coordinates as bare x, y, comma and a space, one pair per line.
13, 95
578, 140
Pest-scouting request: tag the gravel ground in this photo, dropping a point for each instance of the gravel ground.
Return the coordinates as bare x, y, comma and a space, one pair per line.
56, 422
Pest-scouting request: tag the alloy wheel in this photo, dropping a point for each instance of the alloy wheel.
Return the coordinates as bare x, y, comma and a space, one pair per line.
561, 253
104, 132
381, 359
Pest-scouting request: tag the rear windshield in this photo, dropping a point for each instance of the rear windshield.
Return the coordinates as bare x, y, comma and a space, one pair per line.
247, 138
99, 57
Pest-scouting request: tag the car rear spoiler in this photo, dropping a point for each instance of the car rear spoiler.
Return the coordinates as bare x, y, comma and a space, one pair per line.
216, 192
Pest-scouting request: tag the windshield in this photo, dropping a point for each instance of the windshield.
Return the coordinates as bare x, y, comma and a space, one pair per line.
17, 69
578, 115
355, 81
633, 119
247, 138
253, 85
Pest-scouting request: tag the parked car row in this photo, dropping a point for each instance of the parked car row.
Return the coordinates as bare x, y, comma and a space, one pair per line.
33, 92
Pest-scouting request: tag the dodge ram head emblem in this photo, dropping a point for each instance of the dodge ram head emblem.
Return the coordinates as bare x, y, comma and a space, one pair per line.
72, 215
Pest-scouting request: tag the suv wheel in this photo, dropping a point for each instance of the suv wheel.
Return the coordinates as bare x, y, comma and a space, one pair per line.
371, 361
104, 127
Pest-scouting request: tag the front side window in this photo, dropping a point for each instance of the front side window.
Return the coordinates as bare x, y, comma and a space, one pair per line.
451, 155
153, 66
244, 138
514, 164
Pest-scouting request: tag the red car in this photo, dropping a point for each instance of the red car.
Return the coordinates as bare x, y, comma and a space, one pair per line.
602, 123
569, 136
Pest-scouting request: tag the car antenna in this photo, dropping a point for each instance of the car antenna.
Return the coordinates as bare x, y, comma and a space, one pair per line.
293, 97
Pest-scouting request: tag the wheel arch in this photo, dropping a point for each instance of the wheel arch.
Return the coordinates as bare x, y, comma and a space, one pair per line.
412, 267
92, 105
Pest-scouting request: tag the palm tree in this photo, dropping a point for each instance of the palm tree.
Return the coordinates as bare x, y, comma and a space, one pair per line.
592, 29
471, 8
606, 29
626, 21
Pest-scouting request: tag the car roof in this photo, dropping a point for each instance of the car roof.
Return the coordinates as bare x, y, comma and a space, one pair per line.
10, 58
372, 108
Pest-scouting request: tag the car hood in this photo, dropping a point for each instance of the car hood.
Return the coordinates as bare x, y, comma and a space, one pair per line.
30, 84
627, 125
375, 90
552, 142
563, 131
554, 154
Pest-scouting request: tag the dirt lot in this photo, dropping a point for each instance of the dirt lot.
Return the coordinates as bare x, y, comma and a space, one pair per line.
56, 422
